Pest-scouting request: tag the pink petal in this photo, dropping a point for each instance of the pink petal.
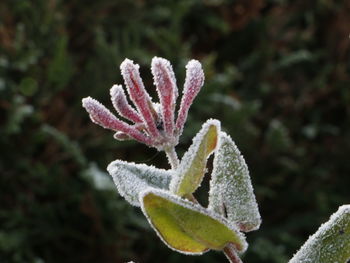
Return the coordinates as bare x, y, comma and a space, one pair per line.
138, 95
193, 83
100, 115
121, 104
164, 79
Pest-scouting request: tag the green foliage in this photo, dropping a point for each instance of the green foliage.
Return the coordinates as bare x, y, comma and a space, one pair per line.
231, 192
276, 77
186, 227
191, 170
331, 241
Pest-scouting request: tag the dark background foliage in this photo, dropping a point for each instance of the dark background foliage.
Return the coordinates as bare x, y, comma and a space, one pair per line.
277, 76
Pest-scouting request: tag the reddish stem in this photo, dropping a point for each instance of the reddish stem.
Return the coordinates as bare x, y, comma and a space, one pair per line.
231, 254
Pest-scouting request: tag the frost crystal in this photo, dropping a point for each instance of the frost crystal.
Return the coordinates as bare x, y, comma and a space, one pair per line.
331, 242
164, 80
193, 83
231, 192
191, 170
153, 123
138, 95
122, 106
131, 179
100, 115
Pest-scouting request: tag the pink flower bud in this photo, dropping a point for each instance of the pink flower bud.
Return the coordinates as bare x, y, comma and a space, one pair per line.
193, 83
164, 79
139, 96
100, 115
122, 106
150, 119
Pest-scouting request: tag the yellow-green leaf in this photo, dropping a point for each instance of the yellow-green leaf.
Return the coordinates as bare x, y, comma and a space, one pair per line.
330, 243
192, 168
187, 227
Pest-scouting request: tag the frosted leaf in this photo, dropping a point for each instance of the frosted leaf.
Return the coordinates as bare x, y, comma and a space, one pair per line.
165, 82
100, 115
231, 192
131, 179
192, 168
193, 83
330, 243
122, 106
187, 227
139, 95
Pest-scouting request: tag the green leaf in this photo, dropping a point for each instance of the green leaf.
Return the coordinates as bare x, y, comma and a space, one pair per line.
331, 242
231, 192
192, 168
187, 227
28, 86
131, 179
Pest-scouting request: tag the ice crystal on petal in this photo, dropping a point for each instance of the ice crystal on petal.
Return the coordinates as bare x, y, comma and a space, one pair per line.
100, 115
122, 106
138, 95
231, 191
193, 83
153, 123
189, 217
165, 82
330, 243
192, 168
131, 179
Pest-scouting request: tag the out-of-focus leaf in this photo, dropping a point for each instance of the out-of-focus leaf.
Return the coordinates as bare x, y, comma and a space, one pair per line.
28, 86
60, 69
18, 113
277, 136
99, 179
331, 242
192, 168
71, 147
132, 178
187, 227
231, 191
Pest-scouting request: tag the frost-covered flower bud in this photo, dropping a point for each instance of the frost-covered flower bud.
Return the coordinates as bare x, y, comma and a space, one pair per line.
152, 123
122, 106
100, 115
165, 82
138, 95
193, 83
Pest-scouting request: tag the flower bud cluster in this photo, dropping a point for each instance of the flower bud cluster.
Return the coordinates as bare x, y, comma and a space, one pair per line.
153, 124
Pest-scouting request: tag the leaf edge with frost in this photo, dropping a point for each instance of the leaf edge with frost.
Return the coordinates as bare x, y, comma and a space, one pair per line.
196, 208
148, 176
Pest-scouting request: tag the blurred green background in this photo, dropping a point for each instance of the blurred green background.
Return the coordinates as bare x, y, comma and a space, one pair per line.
277, 76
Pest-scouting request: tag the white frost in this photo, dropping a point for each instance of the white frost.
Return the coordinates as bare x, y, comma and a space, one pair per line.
330, 243
231, 192
131, 179
159, 67
187, 160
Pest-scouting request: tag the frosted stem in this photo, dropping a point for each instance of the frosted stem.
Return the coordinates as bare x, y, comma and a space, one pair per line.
231, 254
172, 157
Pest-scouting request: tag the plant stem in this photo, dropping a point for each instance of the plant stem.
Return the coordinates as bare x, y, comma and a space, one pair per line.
172, 157
231, 254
